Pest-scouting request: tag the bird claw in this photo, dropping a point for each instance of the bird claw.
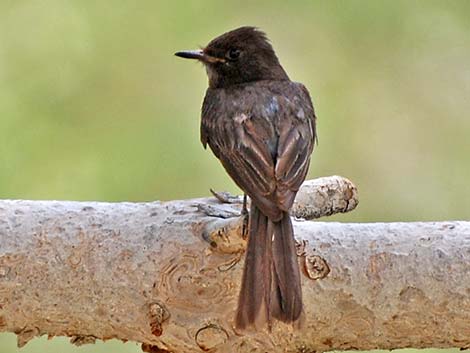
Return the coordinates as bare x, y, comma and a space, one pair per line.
246, 218
300, 247
217, 212
225, 197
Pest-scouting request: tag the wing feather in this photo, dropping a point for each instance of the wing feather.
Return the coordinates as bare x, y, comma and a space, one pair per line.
266, 152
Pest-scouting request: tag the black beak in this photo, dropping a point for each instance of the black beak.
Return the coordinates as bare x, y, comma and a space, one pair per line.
191, 54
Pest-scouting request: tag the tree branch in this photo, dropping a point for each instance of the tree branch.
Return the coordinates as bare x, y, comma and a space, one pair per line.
167, 274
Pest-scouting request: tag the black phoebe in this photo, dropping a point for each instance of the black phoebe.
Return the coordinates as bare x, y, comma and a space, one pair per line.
261, 126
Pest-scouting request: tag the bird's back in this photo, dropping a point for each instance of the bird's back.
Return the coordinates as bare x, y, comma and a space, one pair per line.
253, 120
267, 103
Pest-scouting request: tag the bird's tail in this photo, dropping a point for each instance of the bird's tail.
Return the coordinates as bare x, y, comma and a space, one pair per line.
271, 279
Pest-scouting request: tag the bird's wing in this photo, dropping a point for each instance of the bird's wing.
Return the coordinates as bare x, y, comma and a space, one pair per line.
264, 148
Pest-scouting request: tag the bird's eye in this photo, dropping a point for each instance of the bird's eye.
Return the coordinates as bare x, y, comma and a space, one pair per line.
233, 54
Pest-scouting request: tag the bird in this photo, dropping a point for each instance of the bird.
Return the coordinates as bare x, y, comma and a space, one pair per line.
262, 128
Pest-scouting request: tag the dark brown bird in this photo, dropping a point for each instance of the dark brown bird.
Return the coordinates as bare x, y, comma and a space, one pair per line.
261, 126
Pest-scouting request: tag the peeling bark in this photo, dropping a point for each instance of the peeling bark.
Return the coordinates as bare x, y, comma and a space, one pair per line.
167, 274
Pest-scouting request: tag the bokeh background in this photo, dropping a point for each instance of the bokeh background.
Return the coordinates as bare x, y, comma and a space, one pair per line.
94, 106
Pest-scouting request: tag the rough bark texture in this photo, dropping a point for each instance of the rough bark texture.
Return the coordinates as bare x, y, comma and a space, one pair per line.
167, 274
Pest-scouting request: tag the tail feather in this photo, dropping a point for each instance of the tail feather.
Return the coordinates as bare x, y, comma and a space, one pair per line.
252, 297
271, 279
286, 272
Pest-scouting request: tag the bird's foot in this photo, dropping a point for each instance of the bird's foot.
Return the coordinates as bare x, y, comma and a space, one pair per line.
300, 247
246, 218
218, 212
225, 197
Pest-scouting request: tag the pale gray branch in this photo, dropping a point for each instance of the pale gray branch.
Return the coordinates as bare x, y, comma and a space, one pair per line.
167, 274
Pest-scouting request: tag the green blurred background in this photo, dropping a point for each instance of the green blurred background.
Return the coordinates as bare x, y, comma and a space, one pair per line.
94, 106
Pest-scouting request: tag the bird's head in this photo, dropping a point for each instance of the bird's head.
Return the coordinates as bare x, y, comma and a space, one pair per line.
239, 56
